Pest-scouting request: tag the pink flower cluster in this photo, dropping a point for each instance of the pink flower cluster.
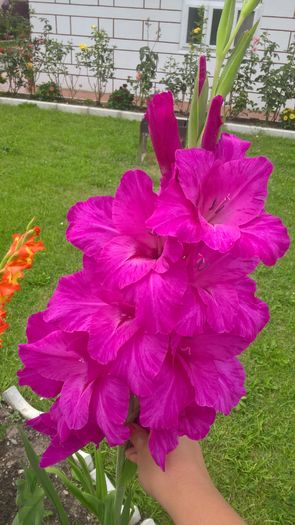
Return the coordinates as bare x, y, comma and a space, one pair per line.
163, 305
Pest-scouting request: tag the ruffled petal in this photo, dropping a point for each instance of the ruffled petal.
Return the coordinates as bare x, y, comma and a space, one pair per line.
231, 147
195, 421
134, 203
75, 400
175, 216
57, 356
37, 328
235, 191
159, 297
91, 224
140, 360
171, 394
194, 166
123, 262
222, 304
252, 314
42, 386
265, 237
111, 403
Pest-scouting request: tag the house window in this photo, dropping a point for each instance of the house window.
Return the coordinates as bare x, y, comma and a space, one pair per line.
195, 21
216, 15
206, 15
249, 22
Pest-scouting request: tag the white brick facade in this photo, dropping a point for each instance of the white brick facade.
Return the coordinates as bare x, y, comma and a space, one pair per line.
125, 21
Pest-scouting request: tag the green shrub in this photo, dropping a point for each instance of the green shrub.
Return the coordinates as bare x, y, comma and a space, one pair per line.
49, 91
121, 98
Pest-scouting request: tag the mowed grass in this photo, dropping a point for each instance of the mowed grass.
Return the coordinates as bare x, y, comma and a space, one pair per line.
48, 161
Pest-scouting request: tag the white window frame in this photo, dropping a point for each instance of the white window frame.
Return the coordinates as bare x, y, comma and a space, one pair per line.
209, 5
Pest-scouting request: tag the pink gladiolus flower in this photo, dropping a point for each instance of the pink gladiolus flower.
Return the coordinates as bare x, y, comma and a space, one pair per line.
128, 254
164, 303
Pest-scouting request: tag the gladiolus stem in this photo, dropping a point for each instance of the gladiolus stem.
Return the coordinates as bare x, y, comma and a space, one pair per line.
120, 488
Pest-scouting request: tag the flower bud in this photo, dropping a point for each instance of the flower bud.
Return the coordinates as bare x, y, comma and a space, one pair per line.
248, 7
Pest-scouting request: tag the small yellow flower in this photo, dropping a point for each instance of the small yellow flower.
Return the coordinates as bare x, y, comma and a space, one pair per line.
285, 117
292, 116
83, 47
29, 65
93, 26
196, 30
285, 110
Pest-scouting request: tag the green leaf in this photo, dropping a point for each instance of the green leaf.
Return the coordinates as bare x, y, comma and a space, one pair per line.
88, 501
126, 514
44, 480
225, 26
101, 484
30, 500
83, 473
109, 509
232, 66
248, 7
128, 472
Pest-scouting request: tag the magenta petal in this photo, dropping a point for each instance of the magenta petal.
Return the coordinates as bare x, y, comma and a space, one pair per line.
222, 305
111, 407
38, 383
171, 394
202, 72
75, 300
91, 224
253, 314
158, 298
220, 237
56, 356
163, 128
175, 215
195, 421
161, 442
59, 449
193, 316
194, 166
134, 203
265, 237
235, 191
121, 262
230, 390
231, 147
37, 328
75, 400
213, 124
210, 267
140, 360
109, 331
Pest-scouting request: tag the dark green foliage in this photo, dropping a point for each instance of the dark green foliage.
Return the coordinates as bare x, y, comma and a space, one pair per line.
49, 91
121, 98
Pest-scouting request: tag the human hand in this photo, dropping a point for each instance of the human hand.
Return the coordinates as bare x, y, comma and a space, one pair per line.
185, 489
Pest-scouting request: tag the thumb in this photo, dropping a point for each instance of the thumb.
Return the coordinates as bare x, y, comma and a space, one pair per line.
139, 437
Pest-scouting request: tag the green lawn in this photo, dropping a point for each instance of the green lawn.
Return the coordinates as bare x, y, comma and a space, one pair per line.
48, 161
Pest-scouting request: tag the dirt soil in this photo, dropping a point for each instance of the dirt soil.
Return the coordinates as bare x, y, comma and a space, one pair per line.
12, 464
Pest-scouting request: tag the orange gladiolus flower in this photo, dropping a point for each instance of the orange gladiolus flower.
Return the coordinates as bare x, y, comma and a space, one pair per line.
18, 258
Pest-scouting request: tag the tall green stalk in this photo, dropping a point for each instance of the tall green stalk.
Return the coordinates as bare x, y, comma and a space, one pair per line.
120, 485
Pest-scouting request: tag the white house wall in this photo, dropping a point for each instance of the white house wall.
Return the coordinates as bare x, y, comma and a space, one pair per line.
125, 21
